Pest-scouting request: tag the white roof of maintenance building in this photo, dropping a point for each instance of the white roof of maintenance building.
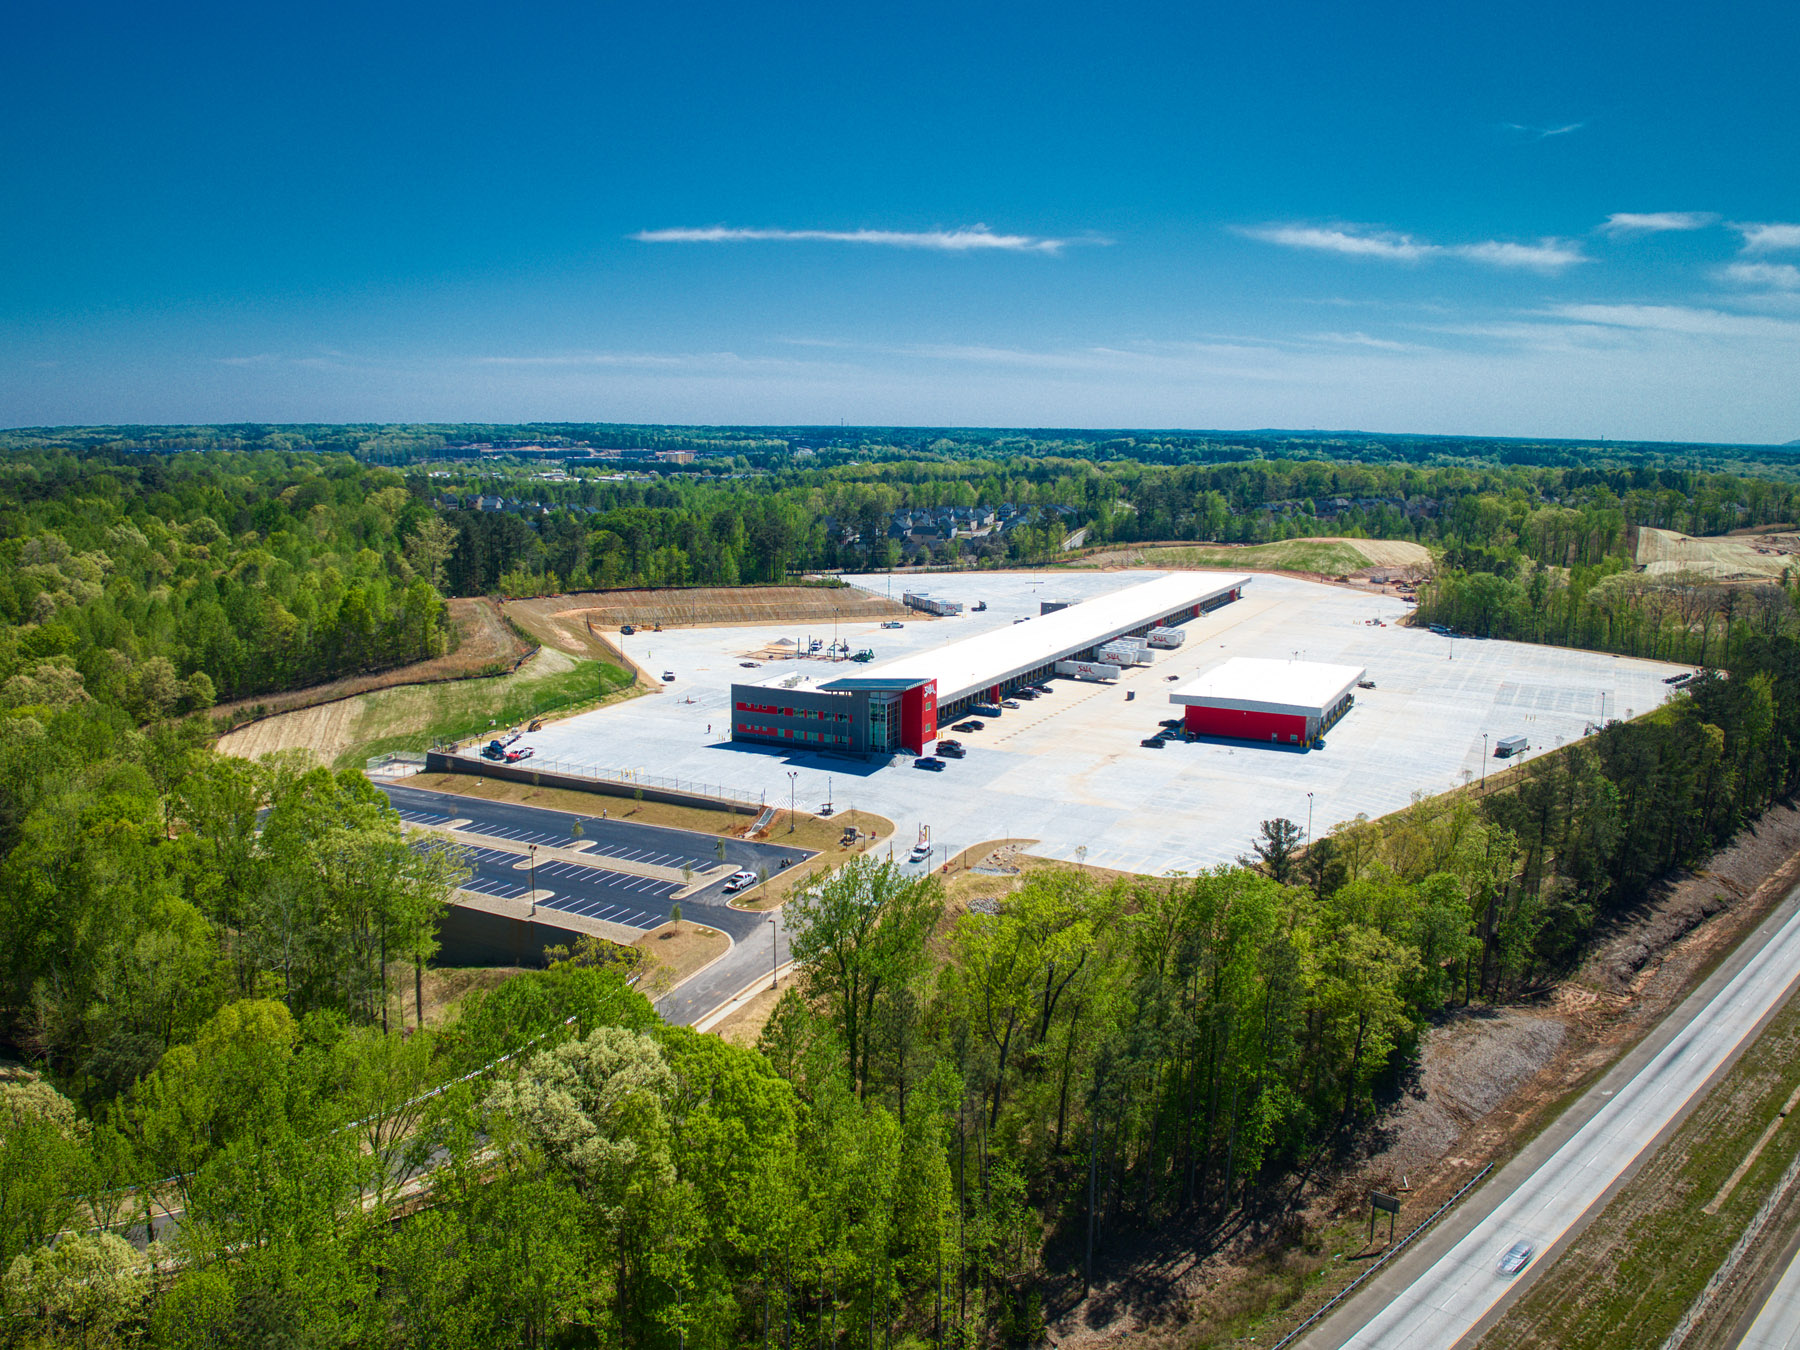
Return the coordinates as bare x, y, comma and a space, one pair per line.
1251, 684
975, 664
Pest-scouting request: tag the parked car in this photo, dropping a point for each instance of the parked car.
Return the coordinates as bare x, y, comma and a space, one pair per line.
1154, 742
738, 880
1010, 703
1365, 684
931, 762
949, 743
1517, 1257
749, 665
952, 751
970, 725
892, 623
1027, 692
920, 853
1172, 723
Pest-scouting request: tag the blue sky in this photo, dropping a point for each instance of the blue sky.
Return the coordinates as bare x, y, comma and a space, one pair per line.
1535, 220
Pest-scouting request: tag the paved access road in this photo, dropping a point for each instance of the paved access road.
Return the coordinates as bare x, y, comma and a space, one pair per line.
1777, 1326
1541, 1199
618, 897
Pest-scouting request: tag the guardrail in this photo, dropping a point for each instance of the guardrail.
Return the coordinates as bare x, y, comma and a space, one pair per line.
1380, 1261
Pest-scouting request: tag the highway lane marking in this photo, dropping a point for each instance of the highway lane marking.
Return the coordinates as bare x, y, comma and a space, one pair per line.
1448, 1300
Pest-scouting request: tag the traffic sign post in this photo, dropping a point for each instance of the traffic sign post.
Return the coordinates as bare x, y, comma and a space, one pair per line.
1381, 1200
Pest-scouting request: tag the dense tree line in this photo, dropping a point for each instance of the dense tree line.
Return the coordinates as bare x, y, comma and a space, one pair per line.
158, 584
682, 529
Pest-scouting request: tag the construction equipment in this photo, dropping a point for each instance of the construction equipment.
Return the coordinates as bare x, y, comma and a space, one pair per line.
537, 724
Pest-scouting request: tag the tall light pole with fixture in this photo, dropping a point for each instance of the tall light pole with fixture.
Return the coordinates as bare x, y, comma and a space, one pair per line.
774, 957
1484, 758
792, 776
1309, 820
533, 850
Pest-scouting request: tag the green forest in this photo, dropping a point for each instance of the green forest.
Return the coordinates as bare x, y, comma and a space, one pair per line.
224, 1121
160, 585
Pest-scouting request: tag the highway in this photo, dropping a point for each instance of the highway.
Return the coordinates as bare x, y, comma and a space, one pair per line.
1777, 1326
1446, 1289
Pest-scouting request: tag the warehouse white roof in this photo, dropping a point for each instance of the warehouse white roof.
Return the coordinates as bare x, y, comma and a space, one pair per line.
975, 664
1251, 684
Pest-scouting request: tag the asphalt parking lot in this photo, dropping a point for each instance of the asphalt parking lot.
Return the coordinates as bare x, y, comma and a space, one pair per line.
592, 891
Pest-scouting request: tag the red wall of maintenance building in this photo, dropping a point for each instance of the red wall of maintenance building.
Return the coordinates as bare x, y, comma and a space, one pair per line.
918, 717
1246, 726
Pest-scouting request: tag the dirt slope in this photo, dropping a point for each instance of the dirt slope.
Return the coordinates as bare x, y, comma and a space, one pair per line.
703, 607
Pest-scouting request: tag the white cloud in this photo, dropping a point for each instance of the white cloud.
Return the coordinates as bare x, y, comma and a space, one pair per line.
1769, 238
1776, 276
1656, 222
1544, 133
1379, 244
1680, 319
1547, 255
968, 239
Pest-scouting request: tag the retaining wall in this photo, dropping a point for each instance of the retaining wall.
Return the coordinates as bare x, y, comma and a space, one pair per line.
437, 761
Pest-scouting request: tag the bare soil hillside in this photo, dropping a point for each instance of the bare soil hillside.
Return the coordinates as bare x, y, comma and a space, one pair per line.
708, 607
1737, 557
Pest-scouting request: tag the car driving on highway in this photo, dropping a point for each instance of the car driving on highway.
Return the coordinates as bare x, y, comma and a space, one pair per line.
1517, 1257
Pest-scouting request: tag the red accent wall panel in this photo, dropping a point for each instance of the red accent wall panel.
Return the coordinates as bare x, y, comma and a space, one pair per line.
918, 717
1245, 726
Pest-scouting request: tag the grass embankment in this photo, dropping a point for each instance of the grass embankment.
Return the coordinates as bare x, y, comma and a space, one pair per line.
1325, 557
552, 684
824, 835
1635, 1271
485, 646
675, 951
416, 717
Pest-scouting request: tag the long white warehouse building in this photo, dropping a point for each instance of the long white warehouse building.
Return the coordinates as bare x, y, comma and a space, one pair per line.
898, 704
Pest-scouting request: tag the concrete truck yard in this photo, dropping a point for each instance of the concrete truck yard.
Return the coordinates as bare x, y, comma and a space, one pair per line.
1067, 769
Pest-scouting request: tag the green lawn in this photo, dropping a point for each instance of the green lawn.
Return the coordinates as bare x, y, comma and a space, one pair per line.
1297, 555
416, 717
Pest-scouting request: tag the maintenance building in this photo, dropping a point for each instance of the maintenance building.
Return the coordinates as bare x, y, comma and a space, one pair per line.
1284, 702
898, 705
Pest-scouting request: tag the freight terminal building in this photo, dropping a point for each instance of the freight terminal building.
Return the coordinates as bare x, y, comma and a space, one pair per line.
1285, 702
898, 705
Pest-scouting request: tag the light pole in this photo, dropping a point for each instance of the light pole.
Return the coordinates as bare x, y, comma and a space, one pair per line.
1309, 820
1603, 710
1484, 741
774, 959
533, 851
792, 776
